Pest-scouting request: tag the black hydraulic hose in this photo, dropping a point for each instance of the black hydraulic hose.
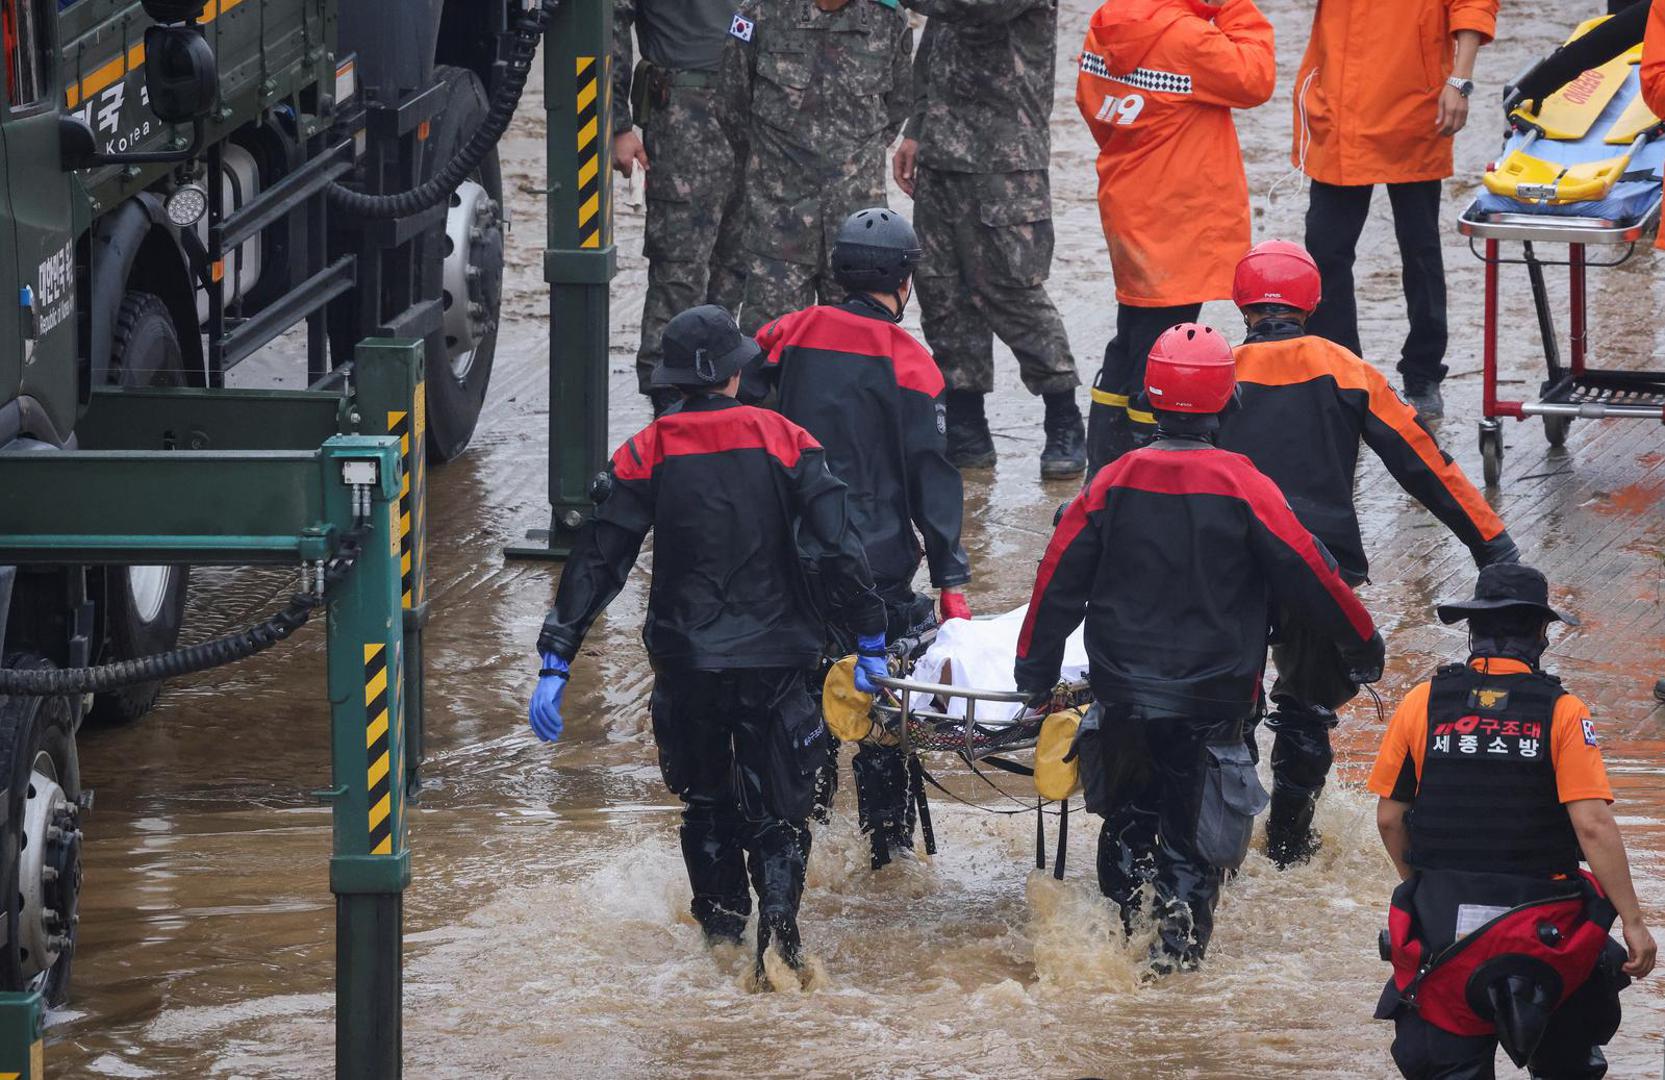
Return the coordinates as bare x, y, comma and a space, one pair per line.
527, 33
54, 682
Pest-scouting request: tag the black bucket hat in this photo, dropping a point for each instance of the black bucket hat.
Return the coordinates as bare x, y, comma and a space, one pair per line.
703, 347
1502, 586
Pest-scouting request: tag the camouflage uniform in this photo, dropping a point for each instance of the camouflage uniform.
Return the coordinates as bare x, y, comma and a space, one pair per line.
982, 194
694, 198
817, 97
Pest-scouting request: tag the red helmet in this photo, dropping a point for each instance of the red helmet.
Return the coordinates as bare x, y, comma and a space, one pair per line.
1277, 272
1190, 370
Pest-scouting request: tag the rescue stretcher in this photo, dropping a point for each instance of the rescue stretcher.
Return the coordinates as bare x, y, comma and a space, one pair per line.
928, 706
1583, 169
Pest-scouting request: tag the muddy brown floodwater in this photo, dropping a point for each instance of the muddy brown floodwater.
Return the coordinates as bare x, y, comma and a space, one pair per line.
548, 934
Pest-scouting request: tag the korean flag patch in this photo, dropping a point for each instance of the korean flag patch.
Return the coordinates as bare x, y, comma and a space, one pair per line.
1589, 732
741, 27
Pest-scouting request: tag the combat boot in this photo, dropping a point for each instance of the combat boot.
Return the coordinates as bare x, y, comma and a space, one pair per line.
1065, 453
970, 446
1290, 838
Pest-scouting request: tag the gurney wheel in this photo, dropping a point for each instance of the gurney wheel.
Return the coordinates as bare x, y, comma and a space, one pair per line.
1491, 451
1555, 430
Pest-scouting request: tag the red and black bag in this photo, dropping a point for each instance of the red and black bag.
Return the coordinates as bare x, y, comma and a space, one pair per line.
1550, 941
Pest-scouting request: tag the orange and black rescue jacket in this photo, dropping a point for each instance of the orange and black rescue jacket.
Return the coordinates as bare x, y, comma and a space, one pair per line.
1306, 405
742, 507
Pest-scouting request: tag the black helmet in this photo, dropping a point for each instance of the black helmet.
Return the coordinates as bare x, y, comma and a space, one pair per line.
876, 251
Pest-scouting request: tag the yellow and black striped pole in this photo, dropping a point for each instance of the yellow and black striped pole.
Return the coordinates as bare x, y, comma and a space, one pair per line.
579, 262
390, 393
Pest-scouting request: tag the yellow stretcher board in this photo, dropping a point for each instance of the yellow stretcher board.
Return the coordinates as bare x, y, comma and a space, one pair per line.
1568, 116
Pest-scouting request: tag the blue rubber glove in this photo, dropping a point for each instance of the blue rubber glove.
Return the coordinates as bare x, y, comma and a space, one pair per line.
545, 713
870, 661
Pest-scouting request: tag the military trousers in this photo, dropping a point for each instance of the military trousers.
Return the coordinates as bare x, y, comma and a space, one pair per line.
988, 240
695, 217
793, 214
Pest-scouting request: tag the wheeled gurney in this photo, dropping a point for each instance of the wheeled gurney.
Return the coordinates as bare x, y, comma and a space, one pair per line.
1582, 169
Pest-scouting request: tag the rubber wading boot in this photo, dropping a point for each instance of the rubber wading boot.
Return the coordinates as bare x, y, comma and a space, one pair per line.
723, 928
1425, 399
970, 446
782, 931
1290, 837
1065, 453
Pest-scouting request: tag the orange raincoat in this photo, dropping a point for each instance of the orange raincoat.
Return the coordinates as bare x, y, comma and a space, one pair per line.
1367, 97
1158, 81
1653, 71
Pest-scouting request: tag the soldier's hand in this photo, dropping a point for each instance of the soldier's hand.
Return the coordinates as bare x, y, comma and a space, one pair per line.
904, 164
629, 153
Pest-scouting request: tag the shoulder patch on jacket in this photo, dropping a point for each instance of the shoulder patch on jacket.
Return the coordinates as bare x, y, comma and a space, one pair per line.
742, 27
1589, 732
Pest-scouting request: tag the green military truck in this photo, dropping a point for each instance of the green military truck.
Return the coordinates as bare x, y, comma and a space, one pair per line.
184, 182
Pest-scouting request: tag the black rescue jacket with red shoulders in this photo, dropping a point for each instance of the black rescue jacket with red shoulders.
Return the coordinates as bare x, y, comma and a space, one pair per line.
1176, 554
739, 500
1306, 405
873, 397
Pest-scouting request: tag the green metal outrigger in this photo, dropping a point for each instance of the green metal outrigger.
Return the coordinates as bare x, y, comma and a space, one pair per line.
275, 478
579, 263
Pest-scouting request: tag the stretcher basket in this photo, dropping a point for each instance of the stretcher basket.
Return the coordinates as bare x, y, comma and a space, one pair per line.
916, 714
1553, 187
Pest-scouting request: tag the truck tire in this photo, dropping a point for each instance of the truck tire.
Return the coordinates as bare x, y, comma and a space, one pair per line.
40, 841
459, 356
144, 606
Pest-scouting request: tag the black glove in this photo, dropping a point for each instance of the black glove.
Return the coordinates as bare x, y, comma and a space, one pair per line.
1035, 699
1365, 662
1499, 549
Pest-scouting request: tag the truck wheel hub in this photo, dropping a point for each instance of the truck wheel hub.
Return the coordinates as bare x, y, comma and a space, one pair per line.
49, 872
473, 277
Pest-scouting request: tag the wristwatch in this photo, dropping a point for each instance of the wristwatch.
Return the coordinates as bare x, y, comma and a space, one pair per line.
1464, 87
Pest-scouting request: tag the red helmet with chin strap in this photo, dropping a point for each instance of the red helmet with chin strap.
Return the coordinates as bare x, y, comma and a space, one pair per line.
1277, 272
1190, 370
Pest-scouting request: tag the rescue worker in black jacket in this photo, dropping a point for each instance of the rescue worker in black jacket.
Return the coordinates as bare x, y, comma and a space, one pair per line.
738, 499
1178, 554
1308, 404
1492, 789
871, 394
